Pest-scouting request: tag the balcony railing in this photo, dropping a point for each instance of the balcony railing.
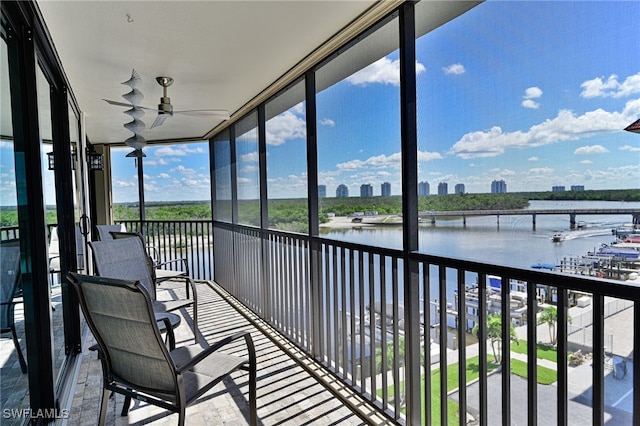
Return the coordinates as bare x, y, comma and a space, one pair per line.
172, 239
371, 314
401, 328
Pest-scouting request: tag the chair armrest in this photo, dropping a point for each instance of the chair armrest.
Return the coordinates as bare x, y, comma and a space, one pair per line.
185, 264
171, 338
153, 254
50, 259
219, 344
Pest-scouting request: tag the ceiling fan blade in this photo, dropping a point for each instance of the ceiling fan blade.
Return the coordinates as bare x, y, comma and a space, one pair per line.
211, 112
128, 105
137, 153
122, 104
159, 120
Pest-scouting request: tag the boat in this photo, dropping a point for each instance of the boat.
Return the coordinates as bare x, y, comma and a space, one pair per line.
625, 231
540, 265
625, 253
557, 237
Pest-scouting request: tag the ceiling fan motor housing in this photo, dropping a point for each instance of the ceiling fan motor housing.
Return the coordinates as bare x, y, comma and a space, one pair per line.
165, 107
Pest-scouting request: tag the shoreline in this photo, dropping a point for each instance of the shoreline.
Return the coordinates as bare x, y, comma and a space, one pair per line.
342, 222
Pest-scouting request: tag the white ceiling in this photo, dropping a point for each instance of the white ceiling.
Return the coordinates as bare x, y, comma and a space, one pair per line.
221, 54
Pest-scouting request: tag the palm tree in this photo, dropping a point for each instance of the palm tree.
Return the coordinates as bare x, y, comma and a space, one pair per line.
549, 316
494, 334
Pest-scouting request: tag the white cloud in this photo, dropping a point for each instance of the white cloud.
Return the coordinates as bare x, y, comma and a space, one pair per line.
565, 126
598, 88
428, 156
534, 159
184, 171
530, 103
327, 122
383, 161
164, 176
285, 126
630, 148
252, 156
541, 170
160, 161
125, 183
532, 93
455, 69
177, 151
529, 95
591, 149
384, 71
586, 162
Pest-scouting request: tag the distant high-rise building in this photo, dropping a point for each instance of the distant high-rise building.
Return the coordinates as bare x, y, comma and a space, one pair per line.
443, 188
322, 191
459, 189
423, 189
498, 187
366, 190
385, 189
577, 187
342, 191
559, 188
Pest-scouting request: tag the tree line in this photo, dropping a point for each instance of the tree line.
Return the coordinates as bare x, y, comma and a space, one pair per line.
292, 214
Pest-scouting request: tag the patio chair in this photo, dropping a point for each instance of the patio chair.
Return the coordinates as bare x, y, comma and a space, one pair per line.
10, 291
54, 252
159, 271
135, 361
127, 259
104, 231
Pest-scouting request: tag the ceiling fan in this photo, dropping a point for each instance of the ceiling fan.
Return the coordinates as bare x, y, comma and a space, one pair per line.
165, 109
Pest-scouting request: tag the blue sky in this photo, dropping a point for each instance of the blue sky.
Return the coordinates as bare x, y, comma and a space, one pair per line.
534, 93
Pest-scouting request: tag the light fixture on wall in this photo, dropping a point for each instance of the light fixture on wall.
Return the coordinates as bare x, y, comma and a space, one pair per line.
51, 160
95, 160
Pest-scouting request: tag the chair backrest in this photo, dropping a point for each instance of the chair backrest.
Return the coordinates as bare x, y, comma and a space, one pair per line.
104, 231
9, 279
120, 316
150, 261
54, 249
124, 259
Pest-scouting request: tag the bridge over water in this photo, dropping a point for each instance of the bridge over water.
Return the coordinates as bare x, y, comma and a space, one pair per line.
571, 213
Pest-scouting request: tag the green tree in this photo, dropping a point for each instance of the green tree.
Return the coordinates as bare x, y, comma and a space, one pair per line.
549, 316
494, 334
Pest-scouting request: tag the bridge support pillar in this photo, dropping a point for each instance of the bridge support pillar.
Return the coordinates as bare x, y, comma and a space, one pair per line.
534, 221
464, 220
635, 218
433, 220
572, 220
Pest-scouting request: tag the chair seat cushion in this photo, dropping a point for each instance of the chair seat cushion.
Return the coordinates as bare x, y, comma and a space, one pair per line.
165, 274
207, 372
171, 305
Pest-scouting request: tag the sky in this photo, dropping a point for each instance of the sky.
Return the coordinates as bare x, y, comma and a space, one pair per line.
533, 93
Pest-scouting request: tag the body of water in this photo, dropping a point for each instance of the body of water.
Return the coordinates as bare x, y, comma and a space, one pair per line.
513, 241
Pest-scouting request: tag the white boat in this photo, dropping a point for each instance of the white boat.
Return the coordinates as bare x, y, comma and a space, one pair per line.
557, 237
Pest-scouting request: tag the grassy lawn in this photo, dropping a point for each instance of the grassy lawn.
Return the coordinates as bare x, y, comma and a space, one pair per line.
473, 372
543, 351
546, 376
